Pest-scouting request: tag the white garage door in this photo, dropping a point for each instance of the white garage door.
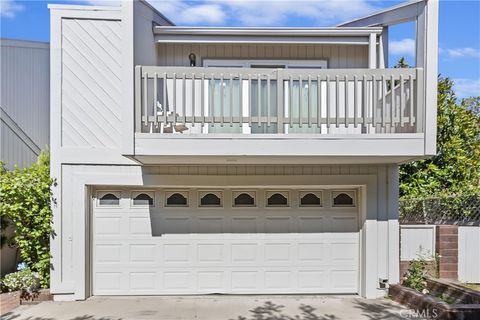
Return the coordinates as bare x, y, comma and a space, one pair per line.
224, 241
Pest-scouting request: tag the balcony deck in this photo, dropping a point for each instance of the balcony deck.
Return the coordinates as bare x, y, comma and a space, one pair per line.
251, 114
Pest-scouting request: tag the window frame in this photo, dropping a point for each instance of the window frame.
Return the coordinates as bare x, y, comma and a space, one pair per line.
285, 193
350, 193
203, 193
251, 193
101, 193
136, 193
169, 193
318, 193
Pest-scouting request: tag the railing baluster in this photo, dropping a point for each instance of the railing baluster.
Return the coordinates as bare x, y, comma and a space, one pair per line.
184, 98
346, 102
202, 98
392, 100
211, 106
300, 96
231, 100
165, 108
259, 100
328, 102
240, 98
222, 100
250, 101
337, 101
319, 102
384, 97
355, 101
374, 100
193, 100
411, 99
155, 98
365, 101
309, 97
174, 121
268, 100
290, 103
145, 97
402, 101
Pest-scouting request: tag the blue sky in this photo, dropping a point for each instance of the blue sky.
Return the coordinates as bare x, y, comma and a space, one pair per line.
459, 36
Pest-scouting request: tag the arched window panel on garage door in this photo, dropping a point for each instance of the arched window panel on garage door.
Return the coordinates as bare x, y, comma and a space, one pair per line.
143, 198
277, 198
310, 198
244, 198
108, 198
343, 199
210, 198
176, 198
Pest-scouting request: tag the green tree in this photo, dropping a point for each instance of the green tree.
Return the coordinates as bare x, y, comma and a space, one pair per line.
25, 199
455, 169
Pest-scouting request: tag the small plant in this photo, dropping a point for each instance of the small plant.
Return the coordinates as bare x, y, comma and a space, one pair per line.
25, 280
416, 277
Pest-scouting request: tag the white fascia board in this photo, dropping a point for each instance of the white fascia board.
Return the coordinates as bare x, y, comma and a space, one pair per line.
82, 8
403, 12
363, 40
253, 31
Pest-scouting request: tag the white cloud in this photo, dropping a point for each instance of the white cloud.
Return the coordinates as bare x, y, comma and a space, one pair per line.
465, 88
261, 13
461, 52
402, 47
10, 8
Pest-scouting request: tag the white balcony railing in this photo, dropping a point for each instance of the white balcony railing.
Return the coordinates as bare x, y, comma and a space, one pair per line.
283, 101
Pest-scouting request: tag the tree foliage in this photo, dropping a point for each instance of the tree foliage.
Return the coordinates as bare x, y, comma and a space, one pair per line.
25, 199
455, 169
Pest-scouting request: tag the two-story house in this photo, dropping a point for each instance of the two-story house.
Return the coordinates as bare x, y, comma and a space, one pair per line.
194, 160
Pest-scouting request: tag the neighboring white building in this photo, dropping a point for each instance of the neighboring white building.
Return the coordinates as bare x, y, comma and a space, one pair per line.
285, 178
24, 111
24, 101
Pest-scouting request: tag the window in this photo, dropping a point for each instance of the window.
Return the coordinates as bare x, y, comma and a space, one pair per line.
244, 199
177, 199
109, 199
343, 199
143, 199
277, 199
310, 199
210, 199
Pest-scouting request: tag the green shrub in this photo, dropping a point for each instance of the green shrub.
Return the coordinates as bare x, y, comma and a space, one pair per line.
24, 280
25, 198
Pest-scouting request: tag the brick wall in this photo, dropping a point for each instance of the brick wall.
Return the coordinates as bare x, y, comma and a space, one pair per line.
447, 248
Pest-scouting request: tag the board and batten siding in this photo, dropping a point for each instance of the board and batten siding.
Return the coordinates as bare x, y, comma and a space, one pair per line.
338, 56
24, 100
91, 83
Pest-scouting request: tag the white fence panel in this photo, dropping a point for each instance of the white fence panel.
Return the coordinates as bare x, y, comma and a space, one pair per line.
416, 240
469, 254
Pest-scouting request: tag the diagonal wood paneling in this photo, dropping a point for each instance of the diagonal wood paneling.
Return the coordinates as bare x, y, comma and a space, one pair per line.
91, 83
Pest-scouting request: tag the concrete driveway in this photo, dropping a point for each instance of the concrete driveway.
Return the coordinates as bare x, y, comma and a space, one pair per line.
215, 307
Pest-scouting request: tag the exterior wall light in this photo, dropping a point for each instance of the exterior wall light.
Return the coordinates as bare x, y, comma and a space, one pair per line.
192, 59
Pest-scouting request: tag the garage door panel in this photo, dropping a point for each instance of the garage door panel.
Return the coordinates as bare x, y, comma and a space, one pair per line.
192, 250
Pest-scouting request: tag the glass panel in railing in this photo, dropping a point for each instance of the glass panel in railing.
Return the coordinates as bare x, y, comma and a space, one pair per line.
264, 115
301, 111
224, 101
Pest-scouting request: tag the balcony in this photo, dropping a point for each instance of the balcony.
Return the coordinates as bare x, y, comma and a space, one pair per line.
351, 114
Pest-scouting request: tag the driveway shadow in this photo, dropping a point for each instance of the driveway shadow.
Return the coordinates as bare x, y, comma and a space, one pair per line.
272, 311
12, 316
379, 310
